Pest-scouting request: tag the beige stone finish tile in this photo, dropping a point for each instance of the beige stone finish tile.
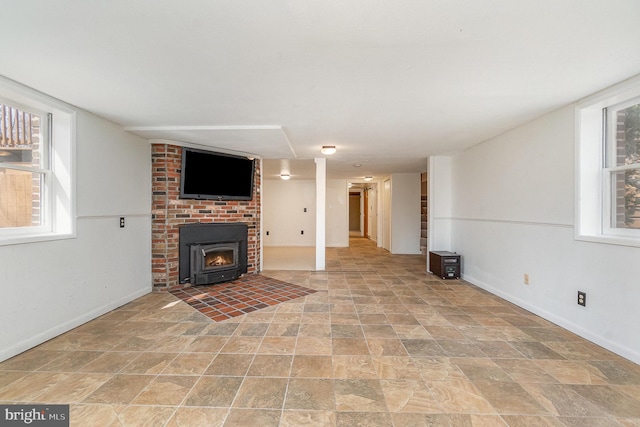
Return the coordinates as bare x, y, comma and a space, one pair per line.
120, 389
287, 318
262, 316
173, 344
135, 343
166, 390
432, 319
369, 419
317, 346
30, 386
359, 395
75, 388
524, 371
270, 365
312, 366
510, 398
386, 347
213, 391
438, 369
315, 318
110, 362
308, 418
261, 393
345, 318
94, 414
71, 361
350, 346
459, 396
233, 365
572, 372
149, 363
310, 394
404, 395
487, 421
252, 329
207, 344
277, 345
198, 417
283, 330
253, 417
188, 364
9, 377
395, 367
31, 360
355, 366
314, 331
242, 345
145, 415
411, 332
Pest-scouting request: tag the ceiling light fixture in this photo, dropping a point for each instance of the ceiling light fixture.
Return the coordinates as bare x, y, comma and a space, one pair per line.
357, 165
328, 149
368, 178
285, 176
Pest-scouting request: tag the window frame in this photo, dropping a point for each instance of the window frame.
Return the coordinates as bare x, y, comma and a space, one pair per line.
594, 193
56, 166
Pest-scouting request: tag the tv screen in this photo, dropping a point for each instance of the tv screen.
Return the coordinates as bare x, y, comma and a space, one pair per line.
208, 175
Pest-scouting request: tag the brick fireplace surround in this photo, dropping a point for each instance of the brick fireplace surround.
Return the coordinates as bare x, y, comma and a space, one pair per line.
169, 212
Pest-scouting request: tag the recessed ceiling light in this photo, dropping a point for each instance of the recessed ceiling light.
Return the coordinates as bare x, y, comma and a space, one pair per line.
285, 176
368, 178
328, 149
357, 165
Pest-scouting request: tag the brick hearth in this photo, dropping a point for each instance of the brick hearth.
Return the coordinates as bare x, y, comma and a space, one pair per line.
170, 212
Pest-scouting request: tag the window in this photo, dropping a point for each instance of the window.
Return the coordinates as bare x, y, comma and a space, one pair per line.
622, 164
608, 166
24, 167
36, 201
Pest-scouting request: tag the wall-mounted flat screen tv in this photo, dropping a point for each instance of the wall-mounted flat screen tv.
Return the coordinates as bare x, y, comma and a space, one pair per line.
209, 175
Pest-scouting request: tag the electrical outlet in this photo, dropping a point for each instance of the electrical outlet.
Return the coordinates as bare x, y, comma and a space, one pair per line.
121, 222
301, 231
526, 278
582, 298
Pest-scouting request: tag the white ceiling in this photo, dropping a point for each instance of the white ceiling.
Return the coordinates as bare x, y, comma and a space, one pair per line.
389, 82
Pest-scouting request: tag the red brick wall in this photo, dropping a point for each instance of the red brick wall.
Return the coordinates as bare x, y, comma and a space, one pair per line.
169, 212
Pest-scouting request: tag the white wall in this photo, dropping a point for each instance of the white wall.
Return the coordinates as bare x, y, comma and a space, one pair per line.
283, 204
439, 204
51, 287
283, 215
512, 201
373, 213
405, 213
337, 213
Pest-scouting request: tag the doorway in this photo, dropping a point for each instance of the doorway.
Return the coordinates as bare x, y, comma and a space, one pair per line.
355, 213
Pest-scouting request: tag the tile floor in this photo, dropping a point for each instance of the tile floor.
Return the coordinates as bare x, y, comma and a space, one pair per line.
381, 343
245, 295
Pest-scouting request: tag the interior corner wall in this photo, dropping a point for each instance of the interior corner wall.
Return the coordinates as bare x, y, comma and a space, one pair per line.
512, 213
51, 287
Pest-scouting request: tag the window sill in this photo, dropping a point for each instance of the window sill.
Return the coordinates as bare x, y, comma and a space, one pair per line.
610, 240
34, 238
